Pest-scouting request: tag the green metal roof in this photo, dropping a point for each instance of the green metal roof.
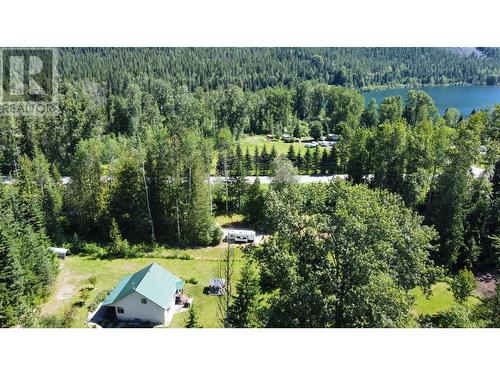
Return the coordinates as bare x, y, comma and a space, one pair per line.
153, 282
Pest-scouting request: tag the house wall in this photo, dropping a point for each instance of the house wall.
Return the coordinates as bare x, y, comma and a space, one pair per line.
134, 309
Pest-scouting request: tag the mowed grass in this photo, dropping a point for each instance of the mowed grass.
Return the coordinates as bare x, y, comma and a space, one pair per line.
260, 140
75, 270
229, 219
440, 300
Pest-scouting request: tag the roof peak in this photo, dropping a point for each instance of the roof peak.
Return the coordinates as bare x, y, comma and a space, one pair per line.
153, 282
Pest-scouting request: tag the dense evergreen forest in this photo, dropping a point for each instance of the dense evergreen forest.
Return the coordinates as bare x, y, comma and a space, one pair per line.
257, 68
140, 131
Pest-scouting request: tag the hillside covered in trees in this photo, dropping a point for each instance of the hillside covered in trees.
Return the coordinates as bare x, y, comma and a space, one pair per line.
256, 68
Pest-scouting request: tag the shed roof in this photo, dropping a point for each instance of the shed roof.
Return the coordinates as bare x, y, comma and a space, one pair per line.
59, 250
153, 282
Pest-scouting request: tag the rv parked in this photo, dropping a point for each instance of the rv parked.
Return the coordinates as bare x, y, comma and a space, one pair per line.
240, 235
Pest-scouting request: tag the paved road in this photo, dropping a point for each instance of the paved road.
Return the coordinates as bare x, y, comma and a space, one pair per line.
477, 172
299, 179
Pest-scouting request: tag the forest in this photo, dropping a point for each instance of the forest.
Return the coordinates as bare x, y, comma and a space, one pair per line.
256, 68
125, 165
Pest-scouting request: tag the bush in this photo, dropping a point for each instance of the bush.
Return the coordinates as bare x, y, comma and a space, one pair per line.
177, 255
462, 285
191, 280
184, 256
92, 280
92, 249
216, 235
98, 299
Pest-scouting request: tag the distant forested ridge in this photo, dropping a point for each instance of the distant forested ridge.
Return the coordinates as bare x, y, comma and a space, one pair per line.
256, 68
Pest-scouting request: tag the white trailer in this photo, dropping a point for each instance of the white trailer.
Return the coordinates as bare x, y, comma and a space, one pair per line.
240, 235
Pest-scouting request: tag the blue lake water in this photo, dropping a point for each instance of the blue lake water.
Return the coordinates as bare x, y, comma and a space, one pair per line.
464, 98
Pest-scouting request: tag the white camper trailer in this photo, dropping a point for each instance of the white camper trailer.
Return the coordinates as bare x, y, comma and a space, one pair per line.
240, 235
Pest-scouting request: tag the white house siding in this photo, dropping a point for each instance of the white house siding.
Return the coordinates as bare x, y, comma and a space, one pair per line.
134, 309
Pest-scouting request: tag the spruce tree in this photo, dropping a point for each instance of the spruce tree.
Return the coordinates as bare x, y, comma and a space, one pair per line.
248, 162
192, 320
291, 155
307, 163
315, 161
324, 164
272, 154
333, 160
243, 311
256, 161
300, 162
253, 209
265, 161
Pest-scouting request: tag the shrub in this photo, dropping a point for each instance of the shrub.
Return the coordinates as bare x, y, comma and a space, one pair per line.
462, 285
191, 280
92, 280
98, 299
184, 256
92, 249
216, 235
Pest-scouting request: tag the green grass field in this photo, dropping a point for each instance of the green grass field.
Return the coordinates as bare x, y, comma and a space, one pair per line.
260, 140
75, 270
440, 300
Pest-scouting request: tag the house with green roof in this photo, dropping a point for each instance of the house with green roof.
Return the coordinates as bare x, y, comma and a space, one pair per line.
148, 295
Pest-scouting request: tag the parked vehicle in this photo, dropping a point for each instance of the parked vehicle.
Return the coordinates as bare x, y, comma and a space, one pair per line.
240, 235
311, 144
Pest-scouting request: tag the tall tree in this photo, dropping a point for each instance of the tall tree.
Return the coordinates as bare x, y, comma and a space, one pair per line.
419, 107
346, 263
243, 310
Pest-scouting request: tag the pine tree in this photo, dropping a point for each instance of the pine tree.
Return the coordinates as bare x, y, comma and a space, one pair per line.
315, 161
238, 176
272, 154
256, 161
192, 320
333, 160
248, 162
291, 155
243, 311
307, 163
264, 161
254, 204
324, 167
300, 162
118, 246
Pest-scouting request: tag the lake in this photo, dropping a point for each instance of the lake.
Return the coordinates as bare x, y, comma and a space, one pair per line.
464, 98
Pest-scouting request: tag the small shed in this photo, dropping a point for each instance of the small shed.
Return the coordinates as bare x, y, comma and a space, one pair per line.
60, 252
217, 287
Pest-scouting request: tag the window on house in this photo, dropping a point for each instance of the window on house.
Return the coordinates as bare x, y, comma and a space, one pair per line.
144, 300
120, 310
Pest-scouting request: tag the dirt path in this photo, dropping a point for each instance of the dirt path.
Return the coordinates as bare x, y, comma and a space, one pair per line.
486, 284
66, 286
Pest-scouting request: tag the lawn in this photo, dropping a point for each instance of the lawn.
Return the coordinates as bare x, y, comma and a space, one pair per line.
259, 141
75, 270
231, 218
440, 300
